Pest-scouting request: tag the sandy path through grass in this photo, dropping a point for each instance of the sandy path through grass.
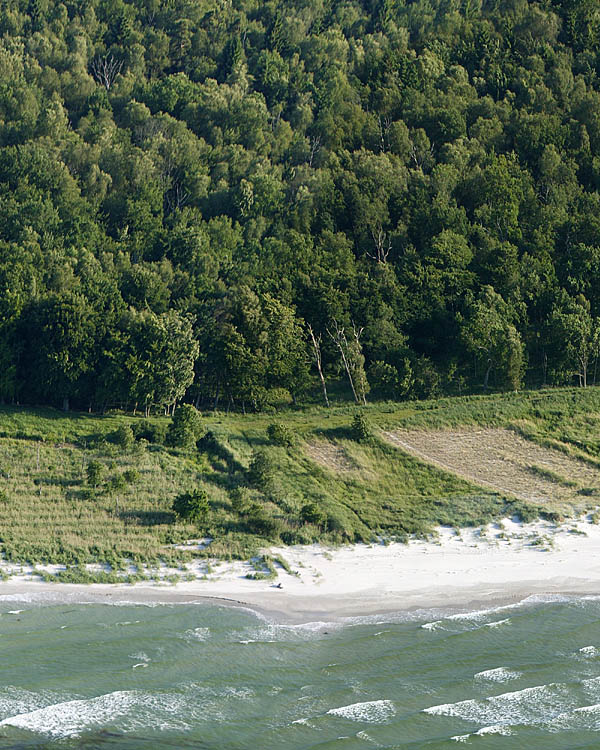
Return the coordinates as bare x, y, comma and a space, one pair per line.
503, 460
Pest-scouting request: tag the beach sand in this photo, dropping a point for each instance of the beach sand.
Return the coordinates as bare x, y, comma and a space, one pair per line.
472, 569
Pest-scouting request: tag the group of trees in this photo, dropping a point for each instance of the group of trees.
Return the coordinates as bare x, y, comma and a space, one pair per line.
227, 197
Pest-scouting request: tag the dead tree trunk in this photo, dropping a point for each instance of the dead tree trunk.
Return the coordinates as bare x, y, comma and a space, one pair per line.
358, 365
105, 70
339, 339
316, 344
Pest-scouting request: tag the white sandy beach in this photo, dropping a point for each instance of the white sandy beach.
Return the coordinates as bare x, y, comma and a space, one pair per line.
501, 563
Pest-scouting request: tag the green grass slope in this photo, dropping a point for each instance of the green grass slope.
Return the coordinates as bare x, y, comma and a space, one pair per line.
325, 486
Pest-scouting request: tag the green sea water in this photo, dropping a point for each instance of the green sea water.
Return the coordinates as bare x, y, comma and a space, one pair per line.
203, 676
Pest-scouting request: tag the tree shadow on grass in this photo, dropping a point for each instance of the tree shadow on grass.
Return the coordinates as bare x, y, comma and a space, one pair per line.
225, 481
147, 517
211, 444
56, 482
342, 432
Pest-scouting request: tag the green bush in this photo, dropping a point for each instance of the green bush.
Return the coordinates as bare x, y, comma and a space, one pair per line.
279, 434
240, 498
186, 427
260, 522
261, 470
311, 513
361, 429
123, 437
95, 473
384, 377
116, 483
153, 432
192, 506
131, 476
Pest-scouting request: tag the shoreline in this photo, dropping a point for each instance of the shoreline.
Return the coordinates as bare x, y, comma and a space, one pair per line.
497, 565
340, 611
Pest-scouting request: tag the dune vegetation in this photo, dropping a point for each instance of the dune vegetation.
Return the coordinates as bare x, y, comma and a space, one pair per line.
79, 489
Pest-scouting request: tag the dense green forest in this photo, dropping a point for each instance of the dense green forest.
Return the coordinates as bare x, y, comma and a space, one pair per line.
239, 201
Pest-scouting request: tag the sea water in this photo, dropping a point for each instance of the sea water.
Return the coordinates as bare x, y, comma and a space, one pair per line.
213, 677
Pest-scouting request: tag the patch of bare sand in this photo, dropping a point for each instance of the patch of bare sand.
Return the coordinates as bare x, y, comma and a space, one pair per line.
502, 460
329, 455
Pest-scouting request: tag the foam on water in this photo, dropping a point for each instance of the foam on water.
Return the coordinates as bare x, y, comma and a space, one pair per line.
197, 634
368, 738
531, 705
479, 614
528, 601
435, 625
372, 712
497, 623
588, 651
15, 700
129, 710
591, 687
140, 656
501, 729
499, 674
71, 717
582, 718
494, 729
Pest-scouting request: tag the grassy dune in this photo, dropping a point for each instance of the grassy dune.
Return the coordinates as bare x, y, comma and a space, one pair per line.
49, 512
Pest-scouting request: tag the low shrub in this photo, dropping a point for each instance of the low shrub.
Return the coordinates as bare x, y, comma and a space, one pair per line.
279, 434
261, 470
312, 513
95, 472
116, 483
192, 506
361, 429
123, 437
186, 427
131, 476
153, 432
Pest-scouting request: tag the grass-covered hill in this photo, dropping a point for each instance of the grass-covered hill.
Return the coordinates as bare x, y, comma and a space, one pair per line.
80, 488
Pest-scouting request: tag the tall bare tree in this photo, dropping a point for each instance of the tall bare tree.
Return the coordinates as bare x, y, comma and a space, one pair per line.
316, 345
105, 70
352, 359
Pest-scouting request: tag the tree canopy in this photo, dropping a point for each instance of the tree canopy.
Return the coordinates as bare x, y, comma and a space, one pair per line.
187, 190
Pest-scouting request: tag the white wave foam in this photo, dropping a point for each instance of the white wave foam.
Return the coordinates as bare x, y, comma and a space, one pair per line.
460, 737
71, 717
528, 601
589, 651
499, 674
368, 738
15, 700
435, 625
15, 611
140, 656
591, 687
497, 623
494, 729
581, 718
532, 705
372, 712
479, 614
197, 634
